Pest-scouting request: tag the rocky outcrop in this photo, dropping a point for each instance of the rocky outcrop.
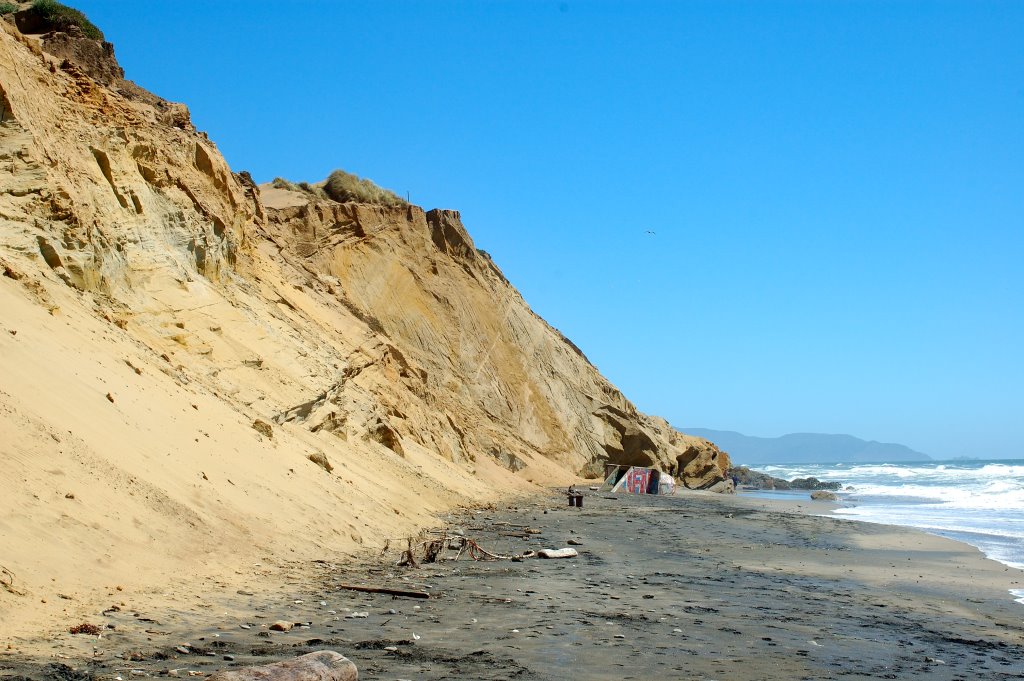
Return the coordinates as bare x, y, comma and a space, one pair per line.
814, 483
699, 464
745, 477
94, 57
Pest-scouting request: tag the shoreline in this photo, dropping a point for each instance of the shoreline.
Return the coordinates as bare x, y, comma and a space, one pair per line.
690, 586
989, 548
979, 501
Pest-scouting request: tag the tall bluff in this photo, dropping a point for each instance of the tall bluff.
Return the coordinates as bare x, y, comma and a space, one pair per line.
128, 201
158, 306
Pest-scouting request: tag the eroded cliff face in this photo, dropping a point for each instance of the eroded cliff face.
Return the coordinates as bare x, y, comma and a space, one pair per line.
157, 305
491, 377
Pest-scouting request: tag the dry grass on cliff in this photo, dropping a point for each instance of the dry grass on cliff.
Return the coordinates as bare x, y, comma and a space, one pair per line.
344, 187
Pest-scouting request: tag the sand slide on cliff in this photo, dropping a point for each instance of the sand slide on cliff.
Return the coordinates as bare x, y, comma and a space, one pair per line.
194, 382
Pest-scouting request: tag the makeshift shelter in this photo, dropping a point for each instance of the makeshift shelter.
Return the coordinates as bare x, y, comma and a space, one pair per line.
637, 480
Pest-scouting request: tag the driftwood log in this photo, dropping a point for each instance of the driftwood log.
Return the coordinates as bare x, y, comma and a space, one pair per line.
384, 590
323, 665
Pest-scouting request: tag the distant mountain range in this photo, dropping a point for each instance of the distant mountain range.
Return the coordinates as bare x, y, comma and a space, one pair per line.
805, 448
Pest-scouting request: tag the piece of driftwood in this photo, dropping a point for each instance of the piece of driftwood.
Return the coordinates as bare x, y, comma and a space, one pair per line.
7, 582
408, 556
323, 665
557, 553
477, 552
423, 549
385, 590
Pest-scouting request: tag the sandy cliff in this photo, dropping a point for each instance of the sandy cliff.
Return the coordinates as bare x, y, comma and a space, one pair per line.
176, 344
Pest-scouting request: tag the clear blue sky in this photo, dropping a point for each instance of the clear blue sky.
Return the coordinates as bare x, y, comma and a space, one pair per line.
836, 188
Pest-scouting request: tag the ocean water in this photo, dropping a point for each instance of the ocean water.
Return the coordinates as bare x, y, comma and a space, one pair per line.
979, 502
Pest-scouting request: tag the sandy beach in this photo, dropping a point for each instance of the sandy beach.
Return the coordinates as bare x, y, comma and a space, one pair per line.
694, 586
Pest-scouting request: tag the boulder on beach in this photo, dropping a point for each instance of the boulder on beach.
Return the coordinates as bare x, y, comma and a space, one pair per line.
723, 487
323, 665
814, 483
822, 495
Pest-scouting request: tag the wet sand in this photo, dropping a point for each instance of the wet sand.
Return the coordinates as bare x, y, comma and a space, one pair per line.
695, 586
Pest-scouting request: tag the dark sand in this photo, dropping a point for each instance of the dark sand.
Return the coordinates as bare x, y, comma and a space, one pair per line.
688, 587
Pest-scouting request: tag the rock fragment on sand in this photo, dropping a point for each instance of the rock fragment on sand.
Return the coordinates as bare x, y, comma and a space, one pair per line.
558, 553
263, 428
85, 628
320, 459
822, 495
281, 625
323, 665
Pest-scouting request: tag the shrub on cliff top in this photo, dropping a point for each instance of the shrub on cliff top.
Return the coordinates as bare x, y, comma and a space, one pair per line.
305, 187
7, 8
345, 187
281, 183
60, 17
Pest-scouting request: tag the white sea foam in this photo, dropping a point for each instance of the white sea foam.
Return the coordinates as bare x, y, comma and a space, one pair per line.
994, 496
947, 471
